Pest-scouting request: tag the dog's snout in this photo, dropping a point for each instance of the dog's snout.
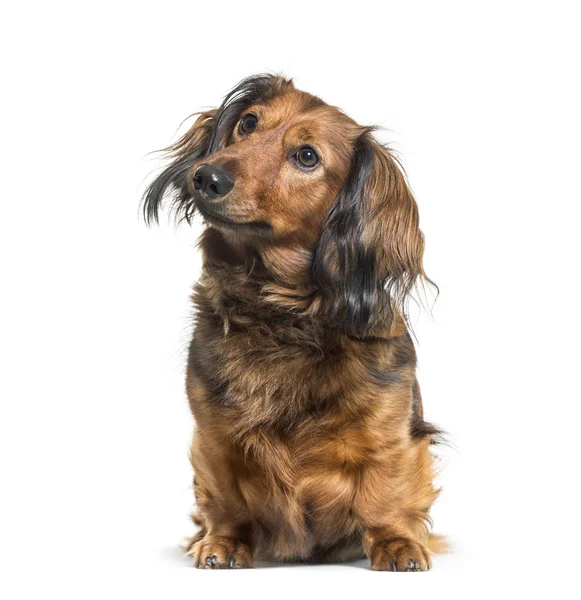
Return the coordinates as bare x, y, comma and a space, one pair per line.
212, 182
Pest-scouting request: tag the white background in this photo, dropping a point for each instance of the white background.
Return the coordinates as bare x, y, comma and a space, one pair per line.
482, 101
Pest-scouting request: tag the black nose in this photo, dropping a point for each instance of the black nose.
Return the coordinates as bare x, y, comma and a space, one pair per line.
212, 182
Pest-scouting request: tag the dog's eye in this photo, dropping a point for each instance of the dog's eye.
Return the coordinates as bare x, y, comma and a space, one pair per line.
248, 124
307, 158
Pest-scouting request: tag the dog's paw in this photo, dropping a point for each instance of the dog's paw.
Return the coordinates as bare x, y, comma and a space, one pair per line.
215, 552
399, 554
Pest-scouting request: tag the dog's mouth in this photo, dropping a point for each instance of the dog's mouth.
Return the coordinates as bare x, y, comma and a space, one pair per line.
215, 218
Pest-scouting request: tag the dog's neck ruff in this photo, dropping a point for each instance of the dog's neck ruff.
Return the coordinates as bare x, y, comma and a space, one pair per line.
246, 287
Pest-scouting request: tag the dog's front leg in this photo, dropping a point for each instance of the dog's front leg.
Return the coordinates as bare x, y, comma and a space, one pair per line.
390, 549
221, 552
394, 509
224, 540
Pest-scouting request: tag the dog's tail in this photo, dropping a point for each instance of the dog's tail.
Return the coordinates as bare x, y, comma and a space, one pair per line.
439, 544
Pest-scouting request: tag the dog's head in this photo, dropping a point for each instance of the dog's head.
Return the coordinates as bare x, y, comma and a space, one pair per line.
277, 167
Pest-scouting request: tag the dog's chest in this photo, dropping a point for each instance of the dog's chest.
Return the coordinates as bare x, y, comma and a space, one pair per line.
281, 373
296, 414
303, 487
299, 428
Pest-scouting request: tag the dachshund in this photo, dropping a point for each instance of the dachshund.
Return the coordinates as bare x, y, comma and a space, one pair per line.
310, 443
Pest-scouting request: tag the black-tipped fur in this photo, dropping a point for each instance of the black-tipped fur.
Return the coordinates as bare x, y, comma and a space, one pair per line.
343, 267
369, 256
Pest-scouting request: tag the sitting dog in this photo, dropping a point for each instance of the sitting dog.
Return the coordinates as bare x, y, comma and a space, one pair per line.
310, 443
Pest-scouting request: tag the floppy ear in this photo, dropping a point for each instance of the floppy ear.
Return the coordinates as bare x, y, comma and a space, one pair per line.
370, 253
210, 132
172, 181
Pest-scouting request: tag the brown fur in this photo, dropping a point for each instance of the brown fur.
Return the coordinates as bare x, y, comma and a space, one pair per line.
310, 442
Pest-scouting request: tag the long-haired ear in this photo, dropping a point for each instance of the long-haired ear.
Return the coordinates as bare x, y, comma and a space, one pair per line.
210, 132
172, 181
370, 253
